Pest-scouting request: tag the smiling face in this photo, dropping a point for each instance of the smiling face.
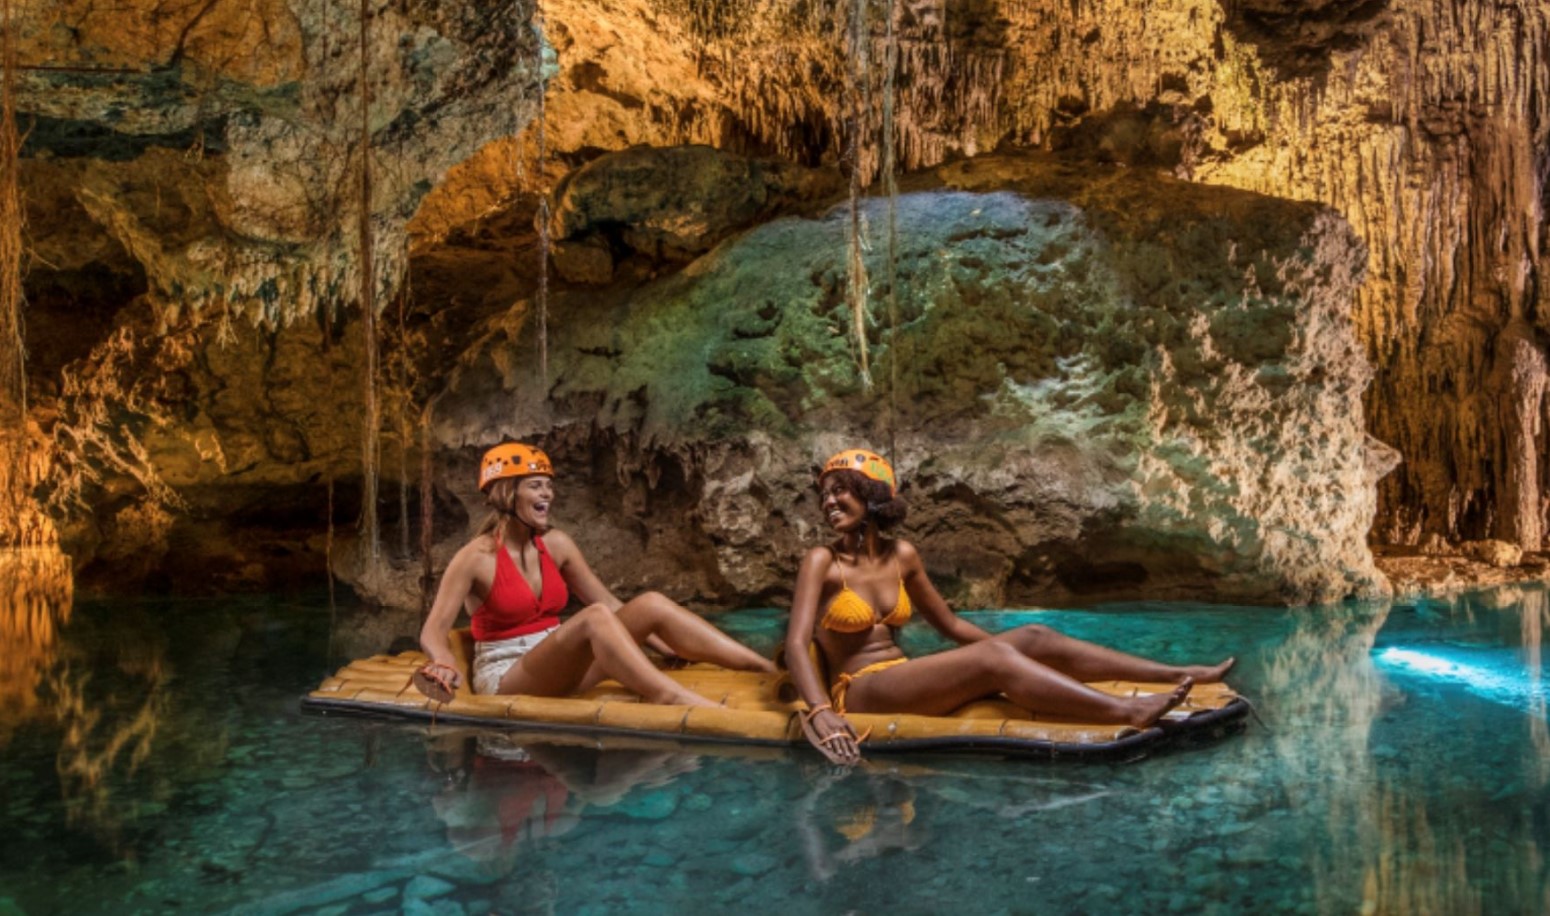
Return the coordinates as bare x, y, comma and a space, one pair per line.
843, 508
534, 496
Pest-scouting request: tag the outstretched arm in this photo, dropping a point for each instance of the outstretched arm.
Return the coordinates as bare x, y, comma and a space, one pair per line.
799, 638
924, 596
450, 597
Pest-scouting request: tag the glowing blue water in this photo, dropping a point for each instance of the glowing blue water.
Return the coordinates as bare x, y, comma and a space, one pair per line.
165, 767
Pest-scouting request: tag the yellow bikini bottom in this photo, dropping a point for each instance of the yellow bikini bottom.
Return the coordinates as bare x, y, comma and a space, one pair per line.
842, 684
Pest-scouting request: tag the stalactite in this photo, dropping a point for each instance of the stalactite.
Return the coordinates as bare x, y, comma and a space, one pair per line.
371, 434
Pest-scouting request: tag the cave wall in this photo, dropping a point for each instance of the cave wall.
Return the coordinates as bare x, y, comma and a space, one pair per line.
192, 178
1426, 124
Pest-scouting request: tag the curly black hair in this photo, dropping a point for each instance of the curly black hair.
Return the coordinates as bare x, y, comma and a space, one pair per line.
883, 508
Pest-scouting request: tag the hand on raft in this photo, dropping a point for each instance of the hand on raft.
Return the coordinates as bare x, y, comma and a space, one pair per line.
832, 735
437, 681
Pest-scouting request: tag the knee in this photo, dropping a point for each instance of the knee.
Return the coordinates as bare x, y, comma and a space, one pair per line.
1034, 634
656, 602
650, 606
998, 658
659, 602
595, 617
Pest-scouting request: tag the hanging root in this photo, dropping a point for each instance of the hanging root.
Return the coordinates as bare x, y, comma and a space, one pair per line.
370, 431
857, 286
14, 498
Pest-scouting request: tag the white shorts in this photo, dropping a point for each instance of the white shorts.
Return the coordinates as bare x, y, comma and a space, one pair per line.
494, 658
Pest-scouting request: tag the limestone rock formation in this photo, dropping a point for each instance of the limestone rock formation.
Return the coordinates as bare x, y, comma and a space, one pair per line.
191, 170
1492, 553
668, 204
1106, 384
220, 145
1426, 123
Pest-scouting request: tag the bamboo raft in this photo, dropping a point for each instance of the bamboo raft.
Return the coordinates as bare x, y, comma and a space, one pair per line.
758, 709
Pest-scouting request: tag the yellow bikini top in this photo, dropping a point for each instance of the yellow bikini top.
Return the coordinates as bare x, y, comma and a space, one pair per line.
849, 612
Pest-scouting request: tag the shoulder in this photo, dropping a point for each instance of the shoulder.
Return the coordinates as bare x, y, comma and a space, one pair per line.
821, 554
817, 559
906, 552
471, 555
559, 544
481, 546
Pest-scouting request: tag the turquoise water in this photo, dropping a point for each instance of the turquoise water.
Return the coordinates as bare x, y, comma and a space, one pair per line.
154, 760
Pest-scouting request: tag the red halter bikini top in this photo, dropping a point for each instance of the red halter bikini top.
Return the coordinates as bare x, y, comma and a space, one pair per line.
511, 609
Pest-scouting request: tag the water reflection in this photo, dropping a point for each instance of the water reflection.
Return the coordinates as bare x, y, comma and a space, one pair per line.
106, 697
847, 818
502, 792
1385, 736
107, 734
1534, 611
35, 602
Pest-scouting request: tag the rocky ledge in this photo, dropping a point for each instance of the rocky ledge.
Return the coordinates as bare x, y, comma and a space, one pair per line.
1437, 570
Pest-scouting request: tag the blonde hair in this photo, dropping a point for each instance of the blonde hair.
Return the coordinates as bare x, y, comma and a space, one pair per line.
502, 499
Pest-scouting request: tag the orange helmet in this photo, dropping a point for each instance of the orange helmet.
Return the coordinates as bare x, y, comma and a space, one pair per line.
868, 464
512, 459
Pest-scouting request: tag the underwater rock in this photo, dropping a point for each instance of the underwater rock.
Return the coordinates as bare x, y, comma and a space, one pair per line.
653, 805
1108, 384
425, 887
753, 864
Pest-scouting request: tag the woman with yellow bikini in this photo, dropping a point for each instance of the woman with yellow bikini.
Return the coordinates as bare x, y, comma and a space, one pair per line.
853, 594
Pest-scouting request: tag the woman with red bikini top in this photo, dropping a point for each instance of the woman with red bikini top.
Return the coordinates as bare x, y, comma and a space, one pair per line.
516, 577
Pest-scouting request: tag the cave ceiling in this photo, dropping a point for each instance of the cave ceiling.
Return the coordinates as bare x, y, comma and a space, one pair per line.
203, 155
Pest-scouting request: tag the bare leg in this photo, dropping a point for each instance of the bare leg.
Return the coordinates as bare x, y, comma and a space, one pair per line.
558, 665
688, 634
1087, 661
938, 684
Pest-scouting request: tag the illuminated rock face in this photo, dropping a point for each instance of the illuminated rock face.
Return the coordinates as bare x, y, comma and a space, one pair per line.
203, 162
1426, 123
218, 146
1107, 384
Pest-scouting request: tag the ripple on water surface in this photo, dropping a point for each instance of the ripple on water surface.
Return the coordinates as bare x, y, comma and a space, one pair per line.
155, 760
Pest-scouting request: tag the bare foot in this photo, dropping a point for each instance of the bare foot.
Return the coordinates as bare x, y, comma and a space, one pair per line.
1209, 674
1148, 709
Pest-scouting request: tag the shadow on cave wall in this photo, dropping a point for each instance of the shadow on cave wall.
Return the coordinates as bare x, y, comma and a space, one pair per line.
1295, 39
